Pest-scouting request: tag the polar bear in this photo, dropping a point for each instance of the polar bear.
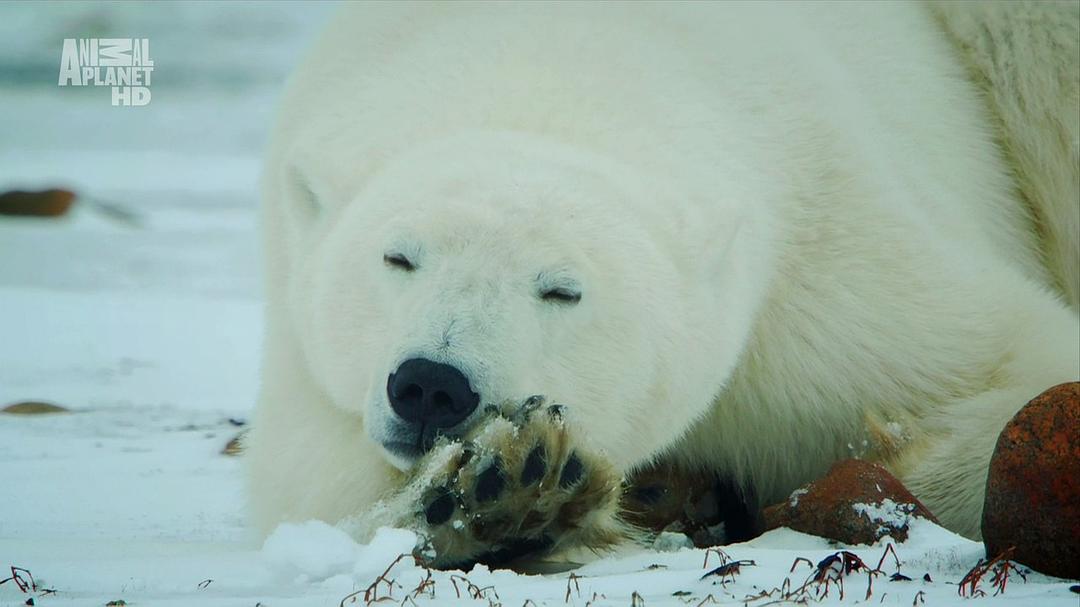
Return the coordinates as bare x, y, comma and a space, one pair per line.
743, 238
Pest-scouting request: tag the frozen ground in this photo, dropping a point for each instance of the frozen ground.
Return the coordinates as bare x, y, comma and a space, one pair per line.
140, 313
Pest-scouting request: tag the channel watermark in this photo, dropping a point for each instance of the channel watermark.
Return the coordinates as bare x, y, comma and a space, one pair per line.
124, 64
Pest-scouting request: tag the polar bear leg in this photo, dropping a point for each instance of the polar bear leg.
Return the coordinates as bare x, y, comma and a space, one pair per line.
949, 472
951, 478
307, 459
1023, 57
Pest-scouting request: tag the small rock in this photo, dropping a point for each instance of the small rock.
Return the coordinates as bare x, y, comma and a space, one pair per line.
671, 542
1033, 489
857, 502
44, 203
32, 407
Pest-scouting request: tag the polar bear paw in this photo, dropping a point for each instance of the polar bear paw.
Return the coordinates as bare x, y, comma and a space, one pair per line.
515, 485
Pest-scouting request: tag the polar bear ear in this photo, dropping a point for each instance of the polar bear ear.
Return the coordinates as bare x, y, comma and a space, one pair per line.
302, 197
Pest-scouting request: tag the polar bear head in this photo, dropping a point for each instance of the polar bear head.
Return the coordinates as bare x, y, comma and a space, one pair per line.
487, 267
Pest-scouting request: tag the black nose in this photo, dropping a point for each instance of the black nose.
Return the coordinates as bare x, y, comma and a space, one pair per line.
430, 393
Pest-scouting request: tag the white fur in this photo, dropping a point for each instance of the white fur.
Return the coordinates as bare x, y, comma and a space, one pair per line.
795, 236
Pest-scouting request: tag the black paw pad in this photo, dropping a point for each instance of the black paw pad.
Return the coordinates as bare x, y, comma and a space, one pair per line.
571, 472
535, 466
490, 483
441, 507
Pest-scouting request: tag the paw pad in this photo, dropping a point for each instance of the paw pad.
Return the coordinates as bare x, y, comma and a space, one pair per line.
490, 483
571, 472
441, 507
535, 466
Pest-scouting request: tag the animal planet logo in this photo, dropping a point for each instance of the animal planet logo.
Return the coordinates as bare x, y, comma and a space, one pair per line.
122, 63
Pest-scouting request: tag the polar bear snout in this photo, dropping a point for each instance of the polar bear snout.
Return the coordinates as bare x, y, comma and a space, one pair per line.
430, 395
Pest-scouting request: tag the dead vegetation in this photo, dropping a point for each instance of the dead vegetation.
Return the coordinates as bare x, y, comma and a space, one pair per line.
23, 579
830, 572
826, 576
999, 567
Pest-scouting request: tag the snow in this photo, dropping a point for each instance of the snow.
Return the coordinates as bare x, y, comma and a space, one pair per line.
316, 551
793, 499
140, 313
892, 514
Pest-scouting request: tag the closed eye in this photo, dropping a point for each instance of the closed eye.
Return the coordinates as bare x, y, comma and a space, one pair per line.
398, 261
561, 296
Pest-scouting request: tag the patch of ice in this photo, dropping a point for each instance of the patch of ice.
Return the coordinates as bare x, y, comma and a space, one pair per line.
671, 542
495, 431
895, 430
888, 512
793, 499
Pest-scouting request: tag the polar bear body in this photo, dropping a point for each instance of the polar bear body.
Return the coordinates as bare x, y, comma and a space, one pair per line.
793, 234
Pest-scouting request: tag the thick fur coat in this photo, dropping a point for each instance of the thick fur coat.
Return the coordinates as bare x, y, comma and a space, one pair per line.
799, 232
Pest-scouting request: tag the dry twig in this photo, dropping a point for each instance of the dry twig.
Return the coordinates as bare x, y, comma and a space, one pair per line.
572, 578
21, 581
1000, 565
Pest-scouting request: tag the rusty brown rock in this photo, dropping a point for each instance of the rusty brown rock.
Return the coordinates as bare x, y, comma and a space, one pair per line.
32, 407
1033, 488
846, 505
44, 203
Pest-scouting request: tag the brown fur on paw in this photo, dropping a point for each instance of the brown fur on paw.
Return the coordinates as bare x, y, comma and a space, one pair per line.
516, 485
704, 506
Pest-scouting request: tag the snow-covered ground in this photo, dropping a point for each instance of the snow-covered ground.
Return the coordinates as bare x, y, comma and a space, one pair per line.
140, 313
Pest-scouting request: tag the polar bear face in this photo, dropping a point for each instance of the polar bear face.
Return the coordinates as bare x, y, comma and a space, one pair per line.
496, 268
